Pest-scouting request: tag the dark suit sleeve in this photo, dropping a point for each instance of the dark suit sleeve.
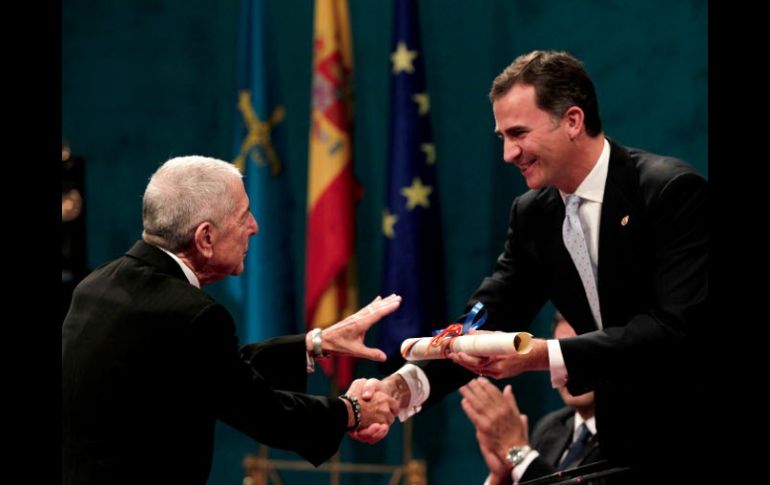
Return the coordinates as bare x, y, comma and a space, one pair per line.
673, 308
242, 397
514, 274
538, 468
543, 464
281, 361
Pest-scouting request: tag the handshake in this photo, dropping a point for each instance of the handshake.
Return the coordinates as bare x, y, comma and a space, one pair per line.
373, 406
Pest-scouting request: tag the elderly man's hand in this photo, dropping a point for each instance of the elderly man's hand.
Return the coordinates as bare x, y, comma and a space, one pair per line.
347, 337
393, 386
377, 412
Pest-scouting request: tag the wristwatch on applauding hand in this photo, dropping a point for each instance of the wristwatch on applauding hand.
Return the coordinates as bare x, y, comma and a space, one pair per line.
517, 454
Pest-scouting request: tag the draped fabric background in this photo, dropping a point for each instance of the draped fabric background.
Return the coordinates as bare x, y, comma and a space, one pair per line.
144, 81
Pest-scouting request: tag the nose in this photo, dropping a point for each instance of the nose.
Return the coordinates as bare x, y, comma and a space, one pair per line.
511, 151
253, 226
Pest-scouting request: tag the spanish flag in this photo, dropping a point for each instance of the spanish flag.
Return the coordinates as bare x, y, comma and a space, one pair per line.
330, 285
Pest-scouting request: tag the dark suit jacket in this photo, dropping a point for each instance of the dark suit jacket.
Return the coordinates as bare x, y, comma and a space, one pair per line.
653, 289
149, 363
551, 437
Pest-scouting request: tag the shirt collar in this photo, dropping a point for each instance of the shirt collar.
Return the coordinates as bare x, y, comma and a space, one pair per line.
190, 274
590, 423
592, 187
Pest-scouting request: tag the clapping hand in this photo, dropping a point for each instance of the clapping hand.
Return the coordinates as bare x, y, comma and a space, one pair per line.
498, 422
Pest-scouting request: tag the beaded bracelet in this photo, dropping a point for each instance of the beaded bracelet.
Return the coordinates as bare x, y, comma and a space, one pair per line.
356, 411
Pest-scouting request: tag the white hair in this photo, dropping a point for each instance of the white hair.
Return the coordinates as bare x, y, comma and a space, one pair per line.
184, 192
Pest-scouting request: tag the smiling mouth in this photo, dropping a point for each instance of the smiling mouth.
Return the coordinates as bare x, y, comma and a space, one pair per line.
525, 165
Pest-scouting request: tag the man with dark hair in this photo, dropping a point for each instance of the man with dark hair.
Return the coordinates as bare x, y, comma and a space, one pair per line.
617, 239
150, 362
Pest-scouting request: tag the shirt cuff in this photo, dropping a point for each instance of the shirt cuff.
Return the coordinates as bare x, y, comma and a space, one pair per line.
519, 470
309, 363
556, 364
419, 390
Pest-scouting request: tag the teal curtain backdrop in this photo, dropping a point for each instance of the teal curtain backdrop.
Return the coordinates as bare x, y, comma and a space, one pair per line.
145, 81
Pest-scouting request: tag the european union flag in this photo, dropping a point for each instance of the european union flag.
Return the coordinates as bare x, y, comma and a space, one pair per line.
411, 219
265, 290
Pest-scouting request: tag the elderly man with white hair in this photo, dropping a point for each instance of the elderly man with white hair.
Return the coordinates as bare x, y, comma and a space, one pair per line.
150, 362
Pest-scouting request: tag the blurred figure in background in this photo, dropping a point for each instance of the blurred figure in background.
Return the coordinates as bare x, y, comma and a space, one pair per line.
563, 439
73, 224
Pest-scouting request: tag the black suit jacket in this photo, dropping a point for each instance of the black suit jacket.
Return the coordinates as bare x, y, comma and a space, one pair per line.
551, 437
149, 363
653, 290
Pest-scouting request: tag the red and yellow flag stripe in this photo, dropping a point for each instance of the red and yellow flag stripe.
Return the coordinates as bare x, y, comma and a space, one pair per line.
330, 286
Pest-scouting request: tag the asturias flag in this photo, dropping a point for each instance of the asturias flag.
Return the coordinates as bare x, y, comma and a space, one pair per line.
265, 290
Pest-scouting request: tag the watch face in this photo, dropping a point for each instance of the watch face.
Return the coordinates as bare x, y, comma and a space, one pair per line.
517, 454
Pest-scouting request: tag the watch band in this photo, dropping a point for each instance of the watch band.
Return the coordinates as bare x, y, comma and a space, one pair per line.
317, 339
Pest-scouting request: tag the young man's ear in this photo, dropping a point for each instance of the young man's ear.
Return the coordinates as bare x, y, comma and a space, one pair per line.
204, 238
574, 118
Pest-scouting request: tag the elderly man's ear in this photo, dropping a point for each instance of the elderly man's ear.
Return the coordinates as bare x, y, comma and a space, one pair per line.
205, 235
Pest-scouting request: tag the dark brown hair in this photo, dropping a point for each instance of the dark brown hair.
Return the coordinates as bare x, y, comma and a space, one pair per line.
560, 82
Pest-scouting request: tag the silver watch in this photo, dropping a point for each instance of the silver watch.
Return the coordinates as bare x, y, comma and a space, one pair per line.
317, 339
517, 454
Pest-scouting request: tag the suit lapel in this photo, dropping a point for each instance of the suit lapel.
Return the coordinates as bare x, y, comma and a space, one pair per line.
620, 241
592, 453
561, 439
558, 438
621, 219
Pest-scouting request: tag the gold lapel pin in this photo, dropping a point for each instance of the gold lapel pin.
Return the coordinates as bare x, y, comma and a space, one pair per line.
624, 221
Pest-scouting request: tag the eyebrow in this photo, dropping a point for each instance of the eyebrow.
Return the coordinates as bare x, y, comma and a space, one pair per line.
512, 130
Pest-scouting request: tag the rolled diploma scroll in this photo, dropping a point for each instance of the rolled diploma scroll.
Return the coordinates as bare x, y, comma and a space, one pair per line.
480, 345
